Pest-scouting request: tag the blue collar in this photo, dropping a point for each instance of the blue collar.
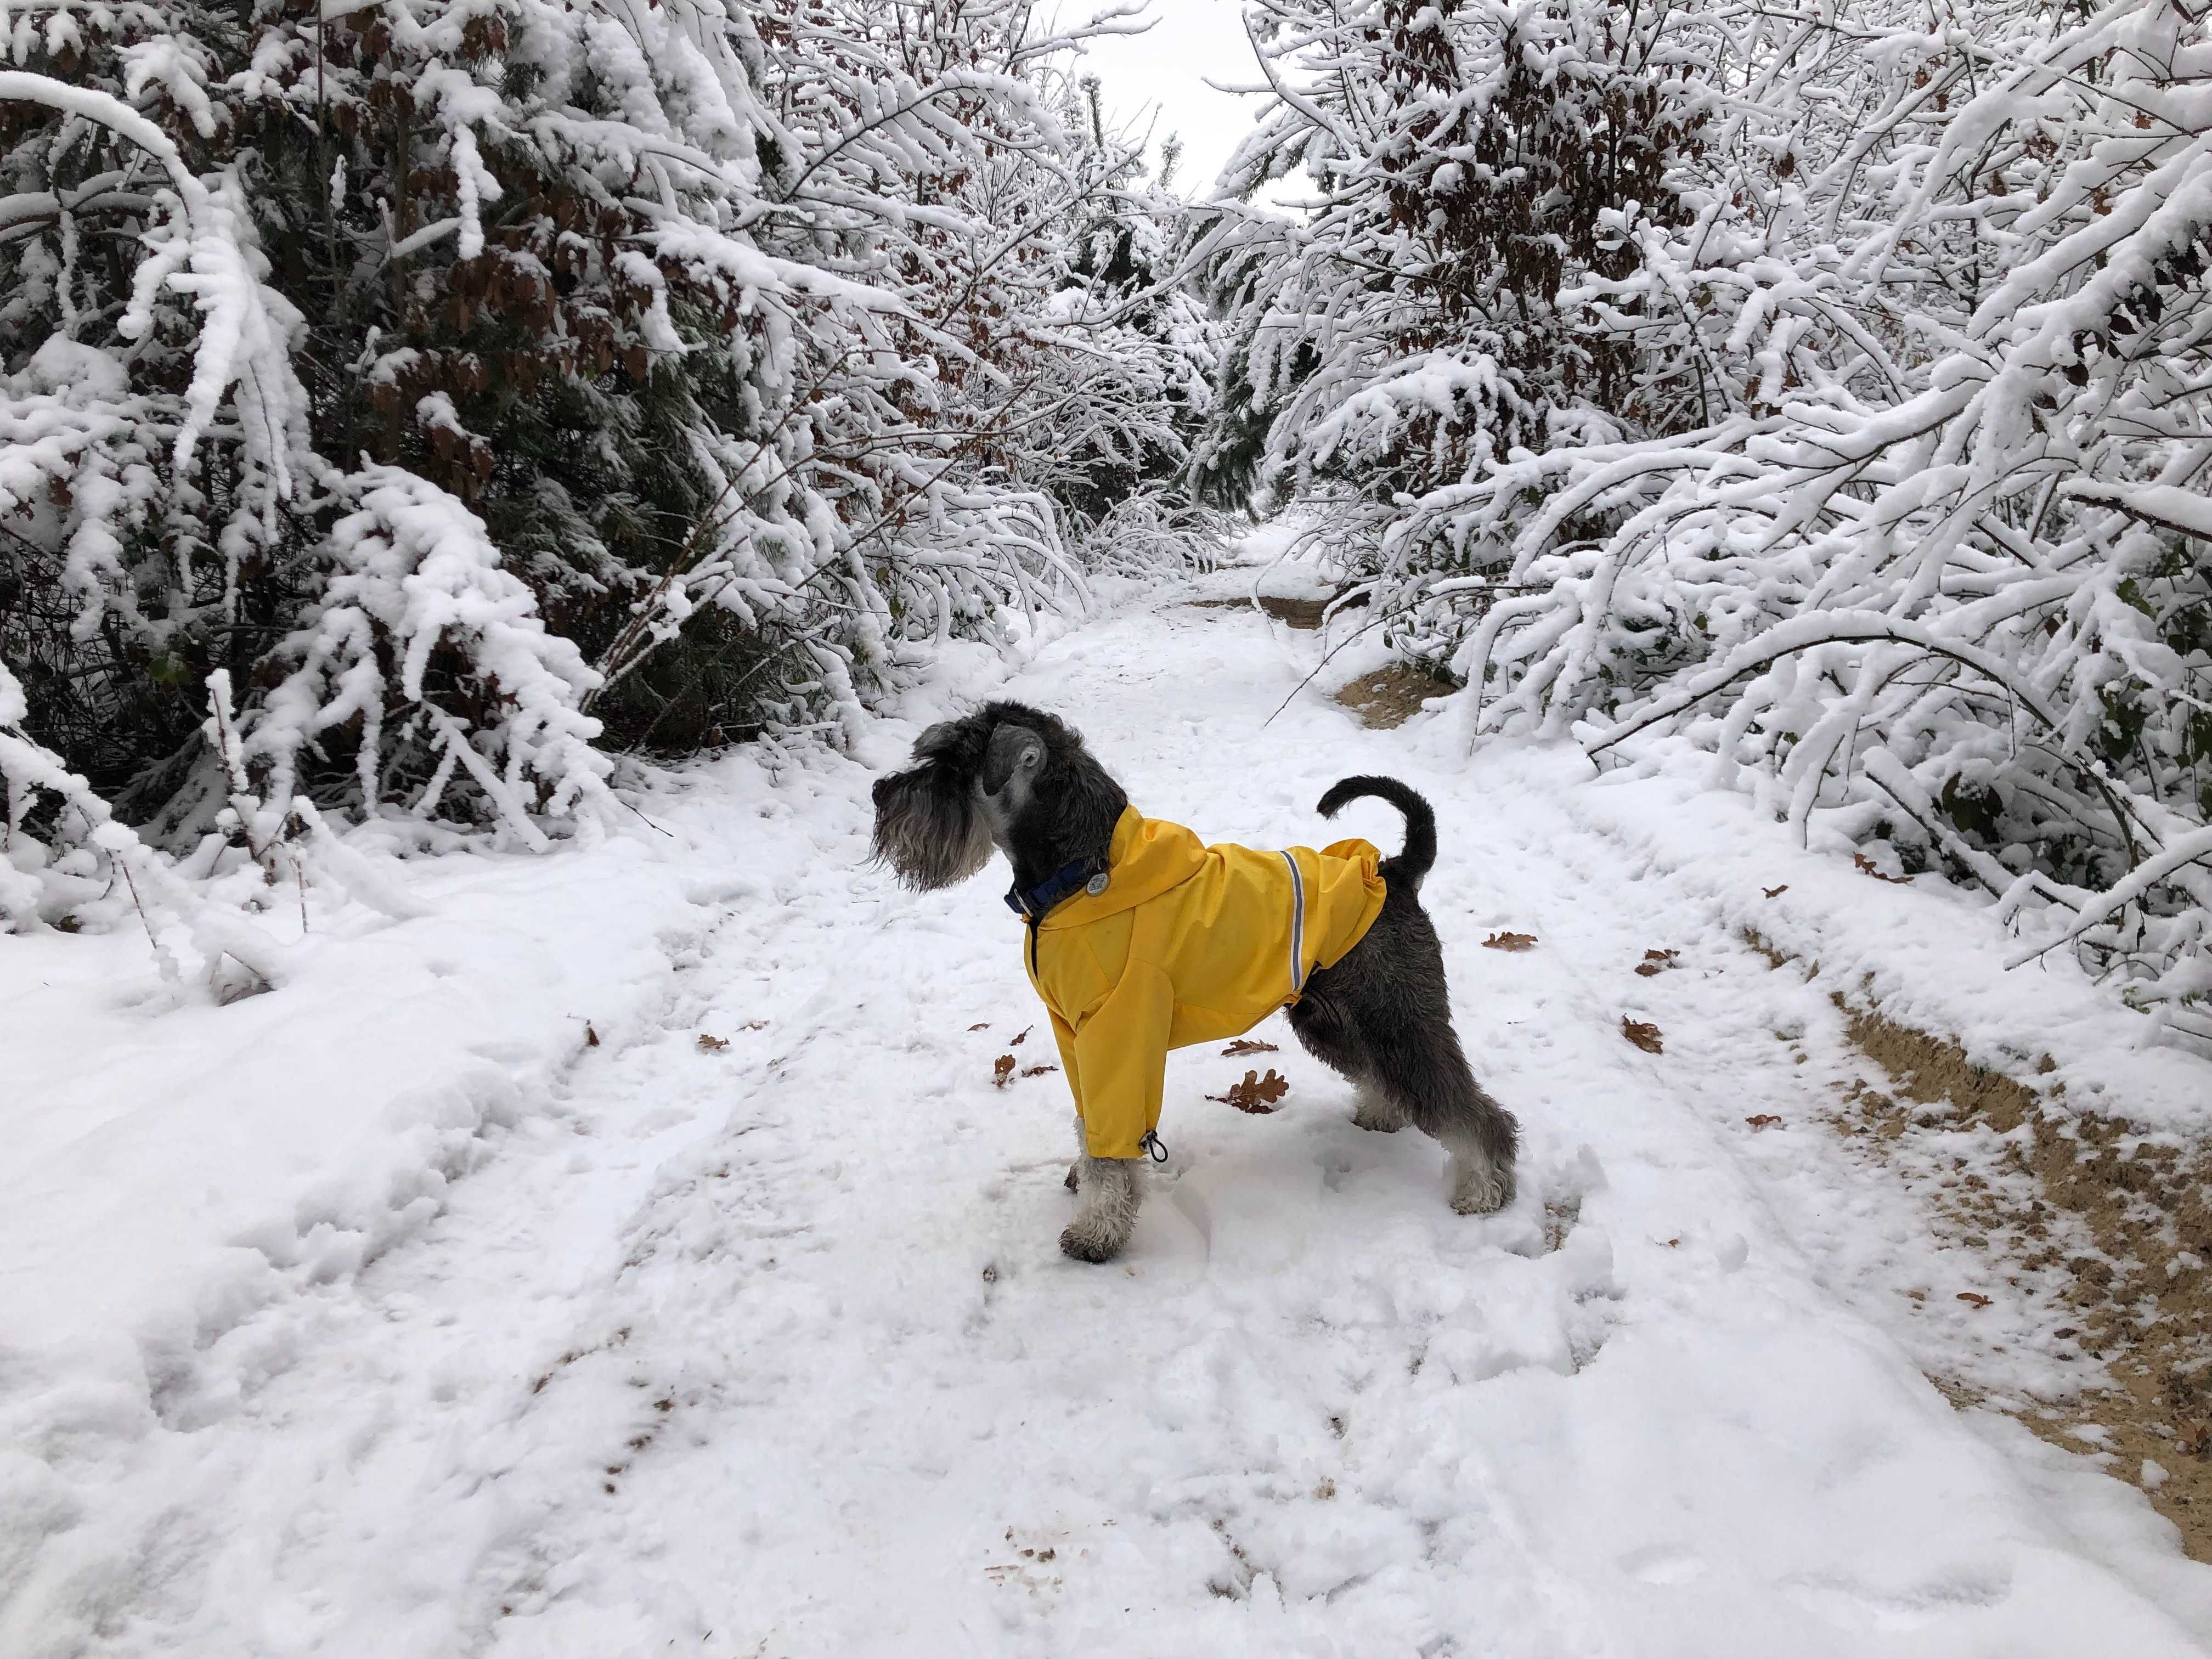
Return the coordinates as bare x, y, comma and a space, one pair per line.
1068, 880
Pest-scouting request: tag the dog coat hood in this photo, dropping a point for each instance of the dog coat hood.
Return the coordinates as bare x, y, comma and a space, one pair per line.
1185, 943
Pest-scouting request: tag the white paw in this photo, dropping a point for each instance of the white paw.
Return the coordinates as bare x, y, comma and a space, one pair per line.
1087, 1246
1481, 1194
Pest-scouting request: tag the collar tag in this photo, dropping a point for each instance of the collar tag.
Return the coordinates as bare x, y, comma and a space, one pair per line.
1096, 885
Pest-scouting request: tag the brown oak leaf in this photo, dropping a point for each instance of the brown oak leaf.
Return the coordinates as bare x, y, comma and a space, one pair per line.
1776, 892
590, 1036
1974, 1297
1255, 1094
1657, 962
1246, 1046
1037, 1071
1015, 1041
1867, 866
1002, 1071
1763, 1120
1644, 1036
712, 1045
1512, 942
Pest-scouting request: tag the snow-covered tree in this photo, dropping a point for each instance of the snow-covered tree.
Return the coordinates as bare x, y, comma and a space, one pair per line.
1885, 483
1134, 354
1455, 288
457, 387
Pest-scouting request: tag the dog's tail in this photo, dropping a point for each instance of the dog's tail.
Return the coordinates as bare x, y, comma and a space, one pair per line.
1413, 861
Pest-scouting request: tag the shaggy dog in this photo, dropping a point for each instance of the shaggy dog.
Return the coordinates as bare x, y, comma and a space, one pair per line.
1015, 780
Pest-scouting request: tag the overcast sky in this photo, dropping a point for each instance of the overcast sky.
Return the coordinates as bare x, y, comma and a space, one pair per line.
1166, 69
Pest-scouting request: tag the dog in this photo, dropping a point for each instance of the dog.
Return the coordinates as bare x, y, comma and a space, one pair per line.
1015, 780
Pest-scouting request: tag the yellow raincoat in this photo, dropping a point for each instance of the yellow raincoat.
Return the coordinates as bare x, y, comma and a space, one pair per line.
1184, 944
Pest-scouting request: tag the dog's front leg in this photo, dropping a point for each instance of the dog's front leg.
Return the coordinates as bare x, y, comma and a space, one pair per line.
1106, 1197
1106, 1208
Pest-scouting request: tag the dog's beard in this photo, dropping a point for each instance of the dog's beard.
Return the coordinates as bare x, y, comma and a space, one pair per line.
930, 828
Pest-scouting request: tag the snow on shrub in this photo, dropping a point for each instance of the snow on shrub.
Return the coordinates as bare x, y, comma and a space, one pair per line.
1870, 459
403, 404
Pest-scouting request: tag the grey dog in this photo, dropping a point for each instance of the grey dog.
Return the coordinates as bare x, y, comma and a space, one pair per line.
1017, 780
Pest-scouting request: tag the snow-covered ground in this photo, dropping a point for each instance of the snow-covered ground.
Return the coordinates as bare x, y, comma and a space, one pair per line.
391, 1314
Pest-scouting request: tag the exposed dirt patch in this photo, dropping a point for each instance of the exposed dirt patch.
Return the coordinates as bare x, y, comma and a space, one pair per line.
1298, 613
2118, 1219
1386, 698
2142, 1299
1392, 695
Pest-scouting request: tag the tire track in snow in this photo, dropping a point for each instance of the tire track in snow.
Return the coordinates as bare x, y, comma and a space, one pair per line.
339, 1462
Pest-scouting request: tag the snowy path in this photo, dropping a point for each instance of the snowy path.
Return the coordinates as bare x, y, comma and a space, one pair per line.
769, 1351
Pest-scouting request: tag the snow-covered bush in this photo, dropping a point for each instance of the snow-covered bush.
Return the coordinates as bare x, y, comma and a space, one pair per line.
1889, 492
1483, 172
469, 386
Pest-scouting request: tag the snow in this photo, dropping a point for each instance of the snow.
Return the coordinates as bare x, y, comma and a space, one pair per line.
1897, 549
385, 1313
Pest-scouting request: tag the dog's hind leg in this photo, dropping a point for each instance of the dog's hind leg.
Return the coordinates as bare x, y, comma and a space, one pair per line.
1383, 1017
1428, 1078
1331, 1040
1373, 1108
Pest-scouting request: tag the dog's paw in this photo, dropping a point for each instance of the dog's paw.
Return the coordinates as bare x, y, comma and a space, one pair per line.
1072, 1182
1482, 1192
1088, 1246
1373, 1109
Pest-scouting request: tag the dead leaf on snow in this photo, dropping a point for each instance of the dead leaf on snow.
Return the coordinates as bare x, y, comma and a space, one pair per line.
1776, 892
1002, 1071
1974, 1297
1015, 1041
1512, 942
1245, 1046
1037, 1071
1763, 1120
712, 1045
1657, 962
1644, 1036
1867, 866
981, 1025
1255, 1094
590, 1036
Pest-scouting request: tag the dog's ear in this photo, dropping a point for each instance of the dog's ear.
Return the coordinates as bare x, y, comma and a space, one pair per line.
1012, 748
959, 743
